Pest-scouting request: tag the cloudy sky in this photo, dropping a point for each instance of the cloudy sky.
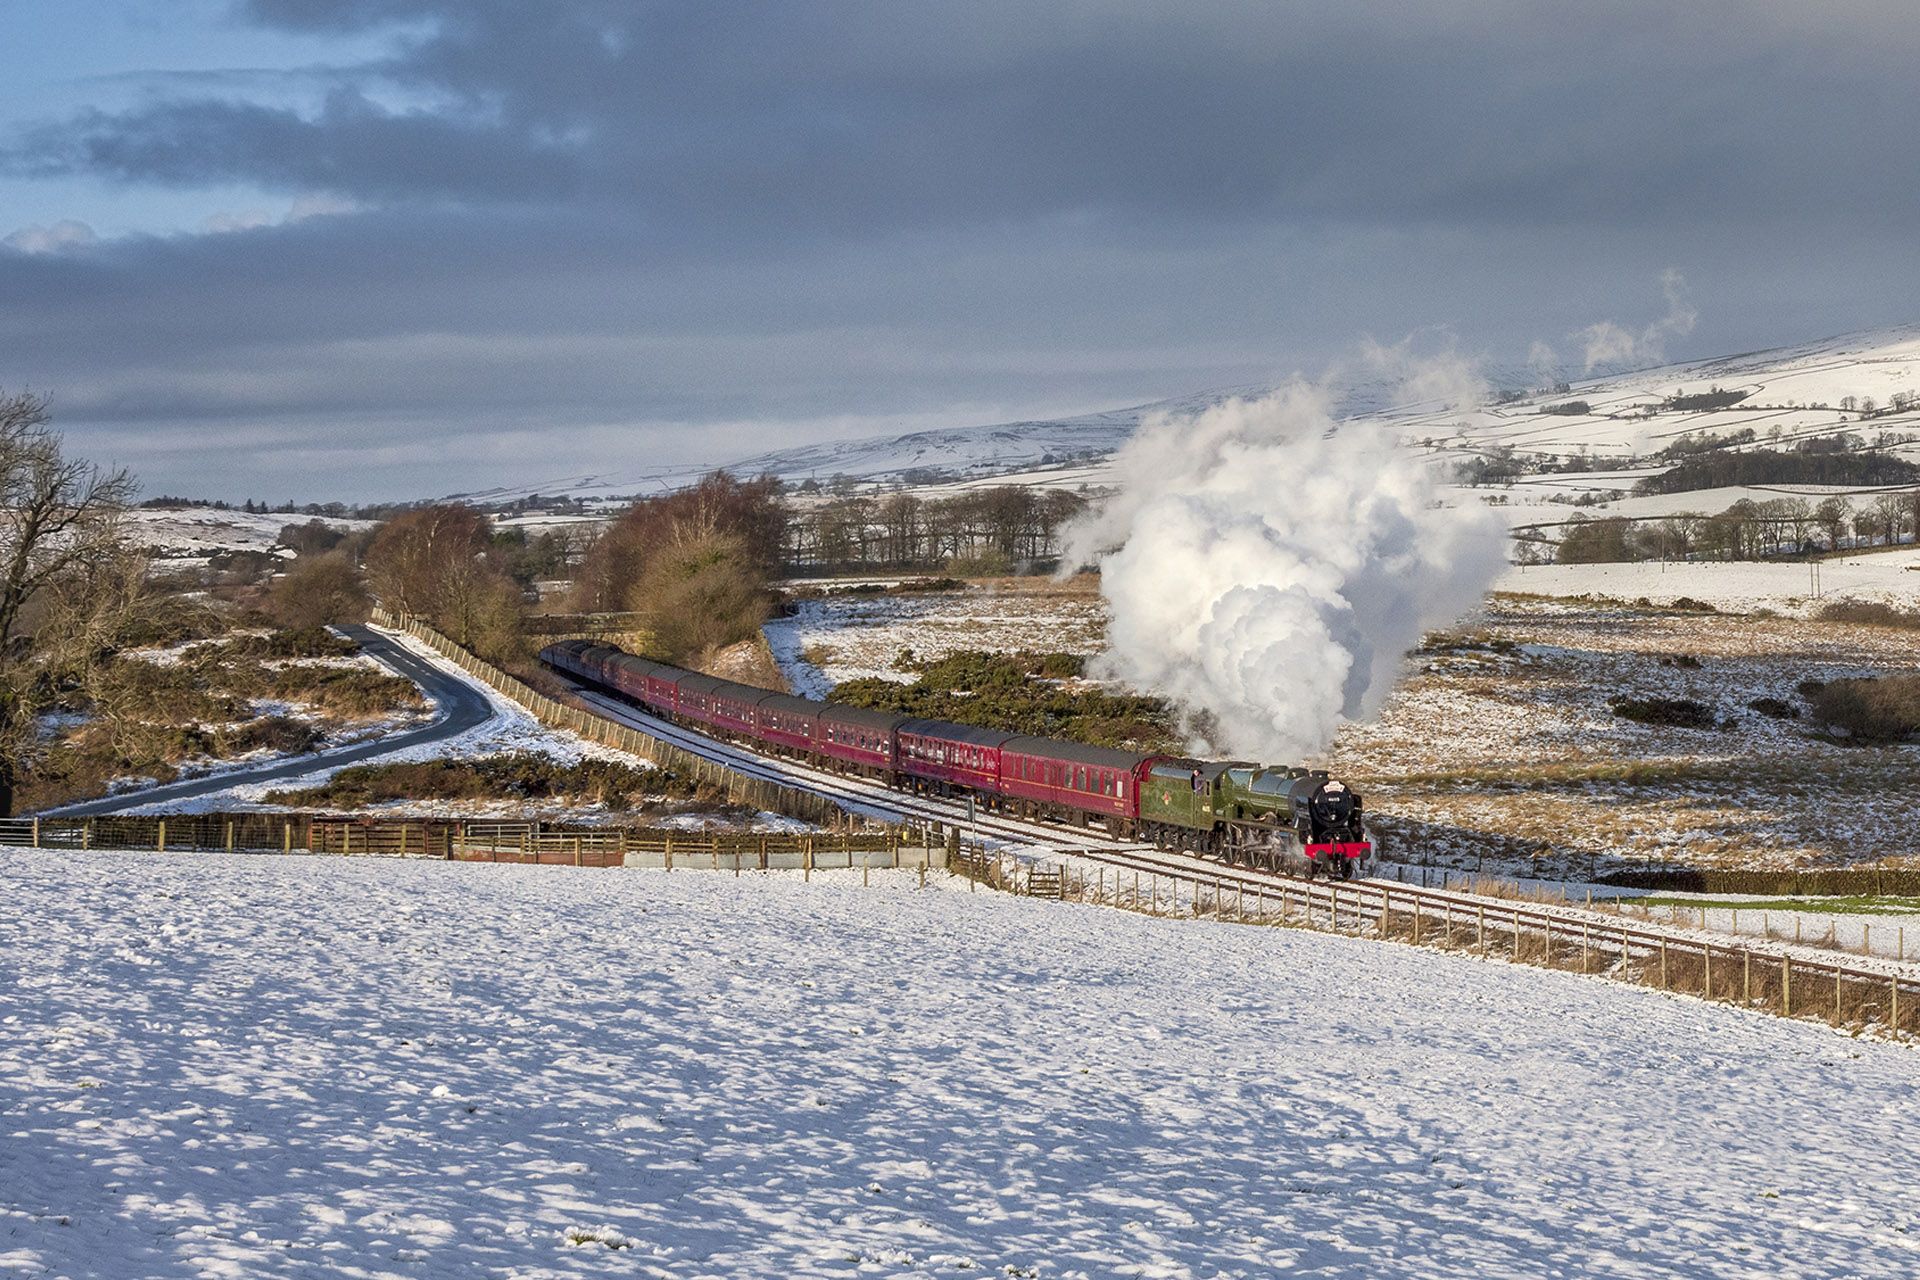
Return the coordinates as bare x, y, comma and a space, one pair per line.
387, 248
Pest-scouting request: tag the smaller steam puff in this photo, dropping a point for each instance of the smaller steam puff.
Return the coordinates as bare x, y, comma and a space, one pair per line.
1268, 568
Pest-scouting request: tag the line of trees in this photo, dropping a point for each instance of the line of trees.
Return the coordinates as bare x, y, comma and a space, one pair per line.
1723, 468
991, 529
1747, 530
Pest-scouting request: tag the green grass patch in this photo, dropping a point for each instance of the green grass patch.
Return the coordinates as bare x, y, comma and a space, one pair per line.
1018, 692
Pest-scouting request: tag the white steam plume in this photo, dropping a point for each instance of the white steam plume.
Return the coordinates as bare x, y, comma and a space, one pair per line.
1267, 569
1609, 344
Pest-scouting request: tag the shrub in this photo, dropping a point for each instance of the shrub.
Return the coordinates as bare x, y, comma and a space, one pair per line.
1016, 692
280, 734
1775, 708
1871, 613
982, 562
701, 594
319, 588
1676, 713
348, 691
1883, 710
521, 775
287, 642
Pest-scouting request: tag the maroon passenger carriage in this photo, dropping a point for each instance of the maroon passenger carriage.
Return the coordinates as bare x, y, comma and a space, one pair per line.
945, 757
1054, 777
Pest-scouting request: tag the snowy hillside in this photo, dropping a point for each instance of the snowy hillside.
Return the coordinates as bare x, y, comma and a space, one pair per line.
186, 532
1625, 418
990, 450
1787, 396
294, 1066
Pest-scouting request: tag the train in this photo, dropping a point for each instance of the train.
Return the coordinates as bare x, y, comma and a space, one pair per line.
1297, 820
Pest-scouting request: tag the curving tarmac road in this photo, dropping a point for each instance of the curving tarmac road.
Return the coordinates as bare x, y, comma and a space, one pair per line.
462, 706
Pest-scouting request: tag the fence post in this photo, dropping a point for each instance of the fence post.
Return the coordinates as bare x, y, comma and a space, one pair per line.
1893, 1017
1786, 986
1663, 964
36, 833
86, 833
161, 837
1746, 976
229, 835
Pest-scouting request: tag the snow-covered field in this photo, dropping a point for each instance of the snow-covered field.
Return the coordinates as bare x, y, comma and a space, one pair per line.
1510, 736
199, 531
1783, 586
841, 638
266, 1066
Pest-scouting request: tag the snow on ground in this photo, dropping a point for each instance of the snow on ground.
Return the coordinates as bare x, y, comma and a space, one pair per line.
1509, 732
197, 531
509, 729
1891, 576
289, 1066
827, 641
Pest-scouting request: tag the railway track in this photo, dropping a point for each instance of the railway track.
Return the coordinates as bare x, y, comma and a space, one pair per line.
1193, 883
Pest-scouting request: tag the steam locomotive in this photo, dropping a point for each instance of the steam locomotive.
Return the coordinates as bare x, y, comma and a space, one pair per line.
1297, 820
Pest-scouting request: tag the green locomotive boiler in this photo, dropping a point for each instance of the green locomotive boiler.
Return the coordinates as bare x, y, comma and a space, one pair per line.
1297, 820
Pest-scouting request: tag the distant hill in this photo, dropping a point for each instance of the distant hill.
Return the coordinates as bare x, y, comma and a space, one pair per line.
1783, 395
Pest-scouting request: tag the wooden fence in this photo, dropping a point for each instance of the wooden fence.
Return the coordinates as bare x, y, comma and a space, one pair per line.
476, 840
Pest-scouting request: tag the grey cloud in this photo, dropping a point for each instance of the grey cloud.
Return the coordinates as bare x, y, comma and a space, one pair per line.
854, 118
686, 231
351, 146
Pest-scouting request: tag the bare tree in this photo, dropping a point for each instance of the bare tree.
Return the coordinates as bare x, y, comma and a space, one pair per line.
69, 583
1798, 514
437, 562
1891, 511
1833, 515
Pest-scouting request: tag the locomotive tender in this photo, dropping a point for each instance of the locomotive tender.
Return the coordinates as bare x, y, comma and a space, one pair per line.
1284, 819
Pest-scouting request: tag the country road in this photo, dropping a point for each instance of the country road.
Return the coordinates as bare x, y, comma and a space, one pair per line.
462, 706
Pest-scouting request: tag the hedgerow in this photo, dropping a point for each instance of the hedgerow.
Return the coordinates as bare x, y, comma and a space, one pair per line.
522, 775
